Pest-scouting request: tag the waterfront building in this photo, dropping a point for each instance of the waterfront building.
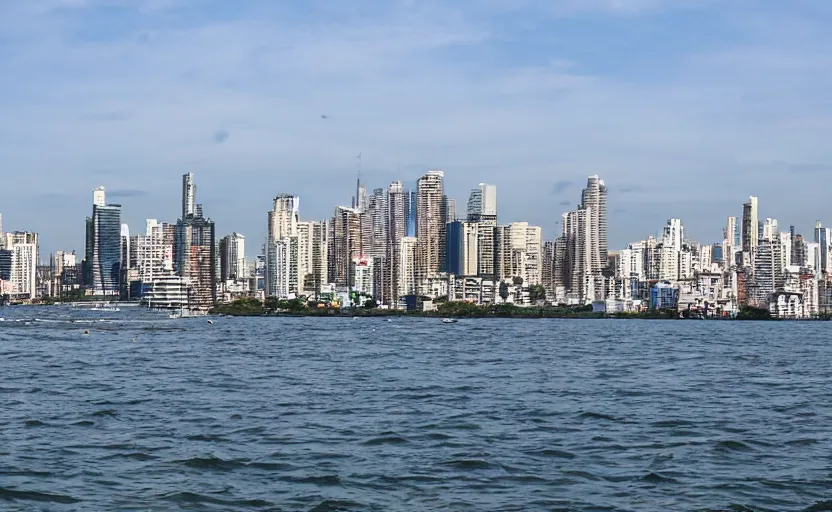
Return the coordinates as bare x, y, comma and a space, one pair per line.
396, 229
195, 249
430, 223
104, 247
463, 248
19, 265
750, 229
344, 241
232, 254
282, 227
278, 267
364, 277
407, 278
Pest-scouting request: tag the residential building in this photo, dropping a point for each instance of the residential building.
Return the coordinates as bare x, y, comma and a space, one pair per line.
430, 223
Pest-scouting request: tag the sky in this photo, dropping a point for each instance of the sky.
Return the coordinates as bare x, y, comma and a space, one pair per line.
683, 107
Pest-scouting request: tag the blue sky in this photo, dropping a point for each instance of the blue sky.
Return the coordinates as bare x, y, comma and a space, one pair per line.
684, 107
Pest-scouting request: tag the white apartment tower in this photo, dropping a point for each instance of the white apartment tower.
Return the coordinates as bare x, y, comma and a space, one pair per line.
282, 228
594, 198
395, 230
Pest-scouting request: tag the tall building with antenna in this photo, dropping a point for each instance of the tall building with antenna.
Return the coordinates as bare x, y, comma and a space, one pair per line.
195, 249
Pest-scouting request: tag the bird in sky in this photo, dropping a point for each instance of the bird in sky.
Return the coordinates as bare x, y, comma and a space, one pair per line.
324, 116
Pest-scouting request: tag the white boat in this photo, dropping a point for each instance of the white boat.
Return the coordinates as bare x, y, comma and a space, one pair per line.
107, 309
187, 313
449, 320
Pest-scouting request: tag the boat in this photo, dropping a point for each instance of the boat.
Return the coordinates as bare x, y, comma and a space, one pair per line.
187, 313
449, 320
107, 309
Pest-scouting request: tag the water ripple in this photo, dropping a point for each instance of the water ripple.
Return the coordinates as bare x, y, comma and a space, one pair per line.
323, 414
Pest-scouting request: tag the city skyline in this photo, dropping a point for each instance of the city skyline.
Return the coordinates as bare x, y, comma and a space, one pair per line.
258, 237
531, 98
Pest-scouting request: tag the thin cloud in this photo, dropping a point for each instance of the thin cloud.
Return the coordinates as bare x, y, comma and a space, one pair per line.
561, 186
221, 136
127, 192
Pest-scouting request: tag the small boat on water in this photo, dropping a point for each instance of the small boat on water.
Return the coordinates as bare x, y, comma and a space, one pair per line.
449, 320
187, 313
104, 309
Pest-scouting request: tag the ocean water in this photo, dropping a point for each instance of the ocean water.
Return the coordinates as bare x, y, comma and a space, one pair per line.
146, 413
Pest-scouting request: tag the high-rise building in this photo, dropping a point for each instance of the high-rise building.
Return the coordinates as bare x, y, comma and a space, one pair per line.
463, 248
407, 266
6, 262
127, 249
410, 209
798, 251
312, 257
430, 228
278, 267
104, 246
377, 225
482, 203
195, 258
578, 255
822, 238
188, 196
518, 252
154, 252
283, 227
232, 254
19, 264
750, 227
581, 253
396, 229
533, 258
594, 198
482, 210
344, 241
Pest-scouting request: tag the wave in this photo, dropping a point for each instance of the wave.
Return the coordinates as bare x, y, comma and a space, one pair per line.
16, 495
337, 506
185, 497
386, 439
733, 446
211, 462
597, 416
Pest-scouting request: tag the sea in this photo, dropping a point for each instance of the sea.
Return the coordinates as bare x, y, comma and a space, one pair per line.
132, 410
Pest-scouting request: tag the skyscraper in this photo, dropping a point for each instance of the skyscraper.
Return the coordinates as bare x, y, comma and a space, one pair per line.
482, 203
103, 251
463, 248
195, 258
429, 223
188, 195
282, 228
594, 198
750, 227
396, 229
410, 209
344, 245
312, 260
233, 257
19, 263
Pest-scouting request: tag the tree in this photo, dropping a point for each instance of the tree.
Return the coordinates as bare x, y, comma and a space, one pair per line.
503, 290
370, 304
537, 292
517, 280
272, 303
